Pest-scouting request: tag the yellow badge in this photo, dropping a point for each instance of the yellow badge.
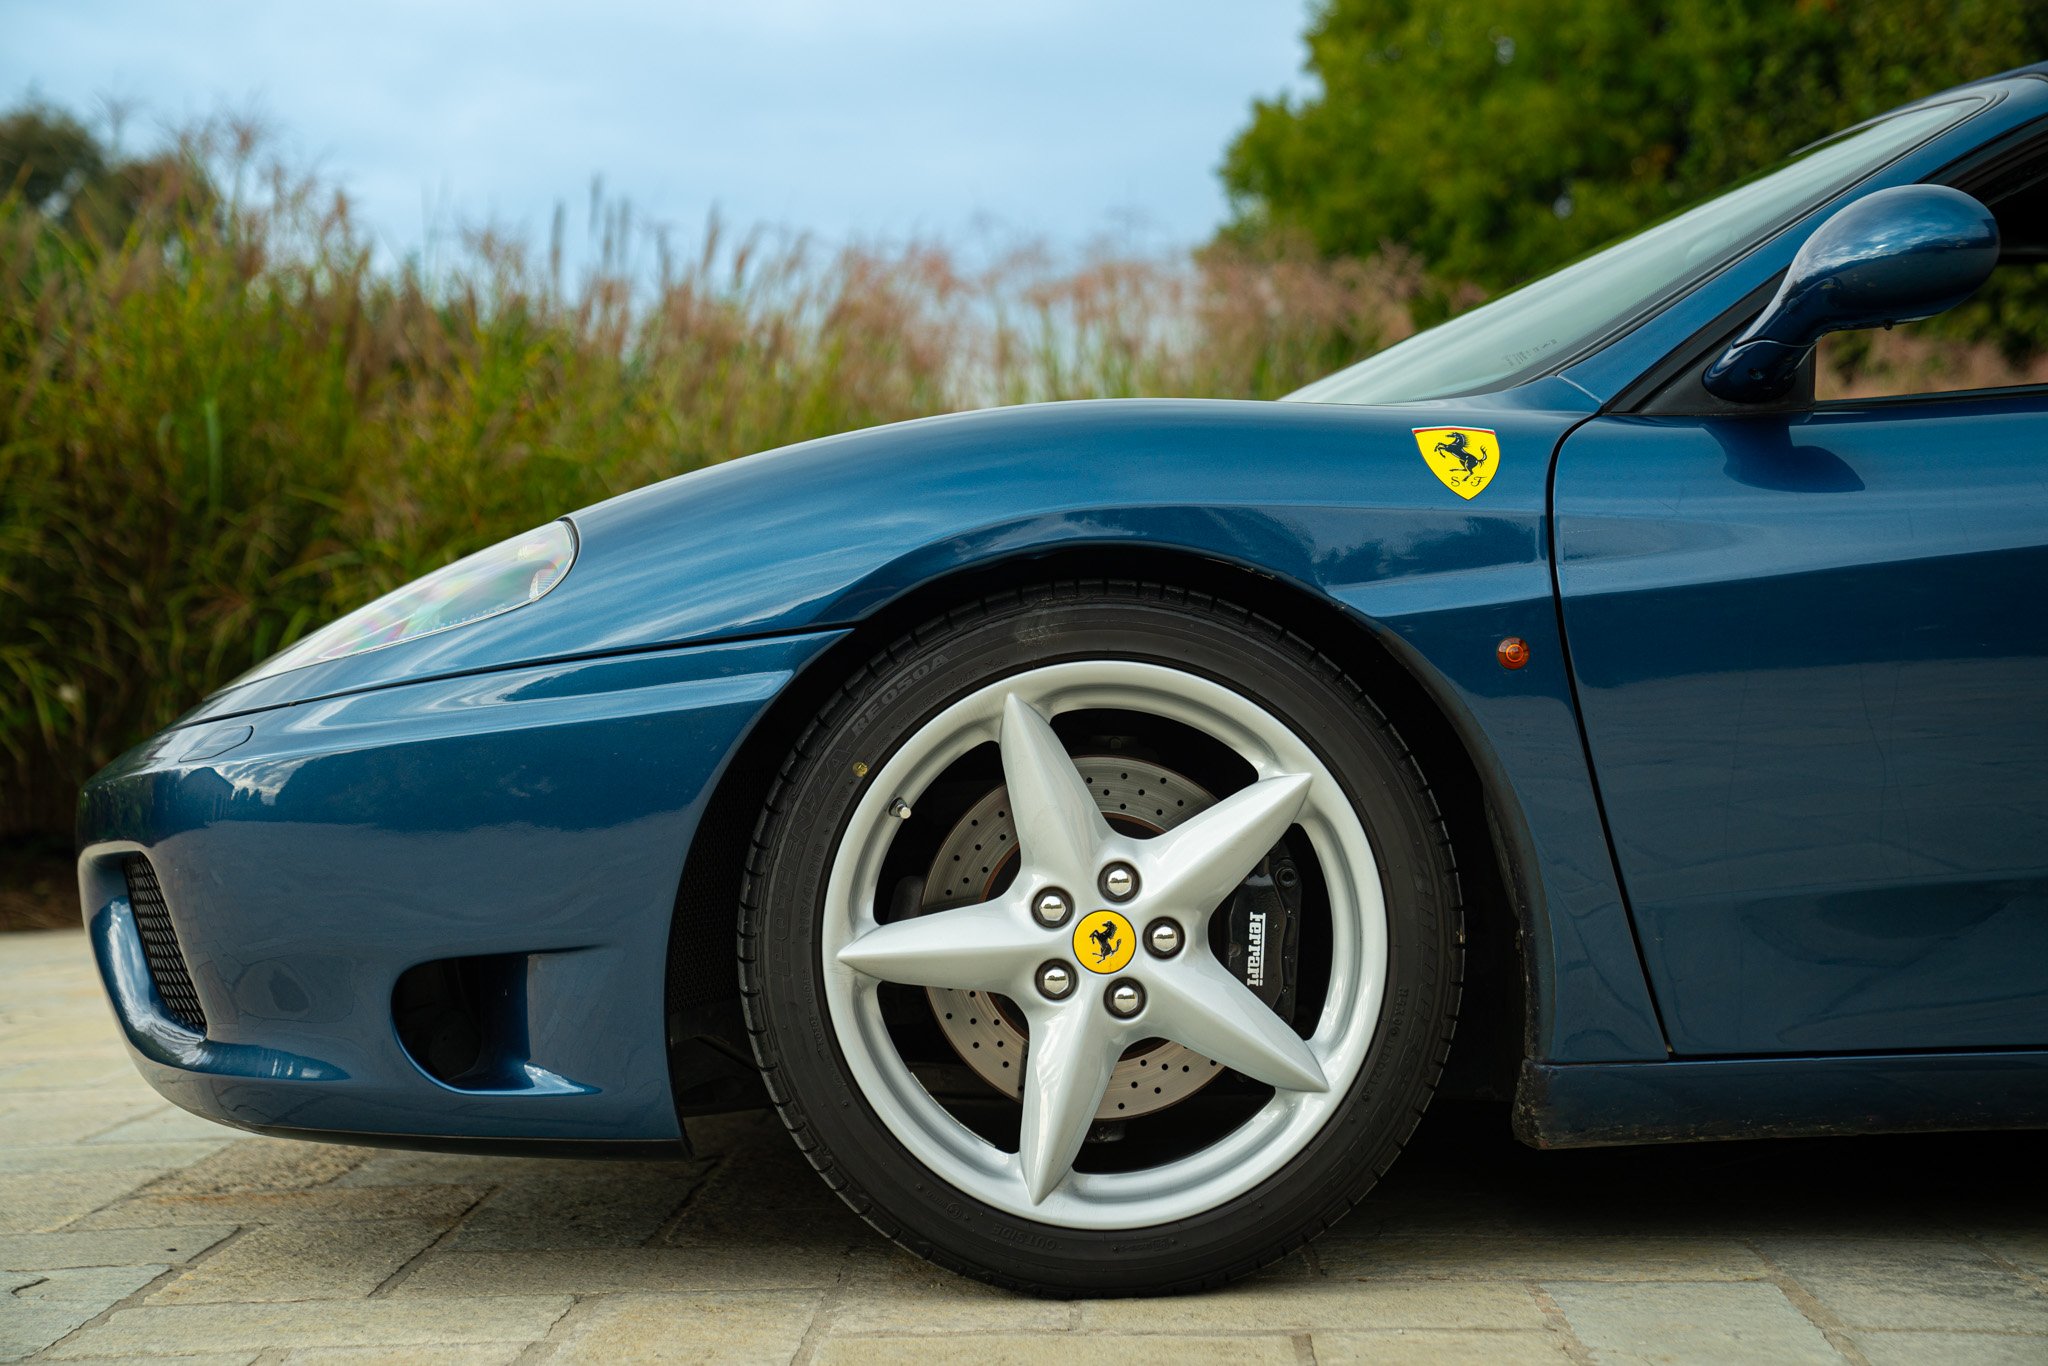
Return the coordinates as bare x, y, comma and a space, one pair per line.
1104, 941
1464, 458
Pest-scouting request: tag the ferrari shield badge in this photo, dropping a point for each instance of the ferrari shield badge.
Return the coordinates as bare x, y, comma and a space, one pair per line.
1464, 458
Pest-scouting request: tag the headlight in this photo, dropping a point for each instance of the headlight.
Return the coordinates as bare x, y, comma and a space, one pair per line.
510, 574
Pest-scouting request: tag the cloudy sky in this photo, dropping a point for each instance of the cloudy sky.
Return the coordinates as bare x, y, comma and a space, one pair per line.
1069, 119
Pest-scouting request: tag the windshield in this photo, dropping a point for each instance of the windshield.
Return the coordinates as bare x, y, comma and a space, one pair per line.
1547, 320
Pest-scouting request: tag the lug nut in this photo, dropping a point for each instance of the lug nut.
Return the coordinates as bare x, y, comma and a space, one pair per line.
1055, 981
1119, 881
1163, 938
1125, 998
1052, 908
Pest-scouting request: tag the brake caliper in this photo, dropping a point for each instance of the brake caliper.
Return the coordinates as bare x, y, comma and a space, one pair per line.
1261, 943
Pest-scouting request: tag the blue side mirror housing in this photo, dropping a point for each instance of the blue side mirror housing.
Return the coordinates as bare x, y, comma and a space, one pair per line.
1893, 256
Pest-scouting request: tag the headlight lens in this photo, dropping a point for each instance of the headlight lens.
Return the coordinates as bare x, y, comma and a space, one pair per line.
510, 574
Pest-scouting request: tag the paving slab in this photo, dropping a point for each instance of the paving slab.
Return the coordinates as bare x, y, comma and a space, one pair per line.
39, 1202
1951, 1349
1711, 1323
164, 1124
900, 1294
398, 1167
360, 1323
2025, 1248
473, 1354
60, 1074
261, 1164
114, 1247
1663, 1257
1442, 1347
196, 1358
329, 1204
1311, 1305
90, 1157
1926, 1284
597, 1271
689, 1327
55, 1119
302, 1262
1092, 1350
579, 1205
38, 1308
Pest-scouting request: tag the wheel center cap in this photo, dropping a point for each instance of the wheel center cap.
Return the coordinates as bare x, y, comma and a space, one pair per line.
1104, 942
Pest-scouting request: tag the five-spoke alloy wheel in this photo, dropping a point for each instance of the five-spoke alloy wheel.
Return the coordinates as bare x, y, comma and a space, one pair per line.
1189, 894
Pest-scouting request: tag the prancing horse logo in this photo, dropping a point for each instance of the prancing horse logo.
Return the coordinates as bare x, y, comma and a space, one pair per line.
1468, 459
1464, 459
1104, 936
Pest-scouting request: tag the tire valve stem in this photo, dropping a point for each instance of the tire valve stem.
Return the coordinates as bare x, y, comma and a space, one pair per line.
900, 809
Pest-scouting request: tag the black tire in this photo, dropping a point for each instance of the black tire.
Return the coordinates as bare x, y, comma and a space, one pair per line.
806, 814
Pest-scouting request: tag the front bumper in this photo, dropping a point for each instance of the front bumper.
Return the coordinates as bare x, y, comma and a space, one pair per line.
536, 818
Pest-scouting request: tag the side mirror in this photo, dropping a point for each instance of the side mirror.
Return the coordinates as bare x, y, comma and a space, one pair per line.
1893, 256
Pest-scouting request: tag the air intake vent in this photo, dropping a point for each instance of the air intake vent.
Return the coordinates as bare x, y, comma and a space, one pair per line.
160, 942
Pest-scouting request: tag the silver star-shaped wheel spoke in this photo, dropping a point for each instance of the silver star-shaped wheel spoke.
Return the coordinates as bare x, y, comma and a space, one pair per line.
1066, 1071
1060, 829
1198, 1004
985, 947
1194, 867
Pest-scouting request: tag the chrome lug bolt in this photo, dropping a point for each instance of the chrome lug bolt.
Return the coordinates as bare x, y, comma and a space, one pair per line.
1119, 882
1052, 908
1055, 981
1163, 938
1125, 998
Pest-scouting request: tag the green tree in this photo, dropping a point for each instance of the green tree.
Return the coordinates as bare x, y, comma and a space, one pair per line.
59, 170
49, 157
1499, 138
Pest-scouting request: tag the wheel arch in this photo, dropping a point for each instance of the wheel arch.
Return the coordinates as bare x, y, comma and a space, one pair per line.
705, 1035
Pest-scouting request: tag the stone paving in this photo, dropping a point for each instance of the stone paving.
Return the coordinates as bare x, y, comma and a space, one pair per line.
131, 1231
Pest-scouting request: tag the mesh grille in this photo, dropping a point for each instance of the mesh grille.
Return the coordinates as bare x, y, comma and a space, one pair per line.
160, 942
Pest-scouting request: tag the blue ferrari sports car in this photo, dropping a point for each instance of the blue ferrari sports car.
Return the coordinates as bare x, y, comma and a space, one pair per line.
1098, 829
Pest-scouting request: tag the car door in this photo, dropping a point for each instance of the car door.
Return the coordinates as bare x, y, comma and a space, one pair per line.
1810, 650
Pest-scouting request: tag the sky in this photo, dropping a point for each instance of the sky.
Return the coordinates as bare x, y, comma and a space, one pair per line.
1066, 120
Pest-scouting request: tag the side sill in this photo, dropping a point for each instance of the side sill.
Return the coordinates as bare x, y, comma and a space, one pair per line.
1591, 1105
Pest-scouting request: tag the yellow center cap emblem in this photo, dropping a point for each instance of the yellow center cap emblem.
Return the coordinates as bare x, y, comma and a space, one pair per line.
1104, 941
